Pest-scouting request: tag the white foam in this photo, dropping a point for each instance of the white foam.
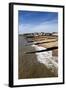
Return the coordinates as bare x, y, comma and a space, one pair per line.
47, 59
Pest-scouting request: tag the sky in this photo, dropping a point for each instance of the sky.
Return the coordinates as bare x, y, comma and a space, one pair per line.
34, 21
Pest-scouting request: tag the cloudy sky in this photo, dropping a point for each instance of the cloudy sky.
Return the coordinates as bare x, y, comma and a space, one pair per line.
32, 21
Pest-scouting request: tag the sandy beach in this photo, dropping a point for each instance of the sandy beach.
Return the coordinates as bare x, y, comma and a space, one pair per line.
29, 66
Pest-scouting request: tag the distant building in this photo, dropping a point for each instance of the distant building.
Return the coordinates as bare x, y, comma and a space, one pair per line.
55, 33
30, 35
35, 34
48, 34
43, 33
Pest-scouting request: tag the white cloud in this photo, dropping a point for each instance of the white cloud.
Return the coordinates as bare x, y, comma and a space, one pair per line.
48, 26
24, 28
